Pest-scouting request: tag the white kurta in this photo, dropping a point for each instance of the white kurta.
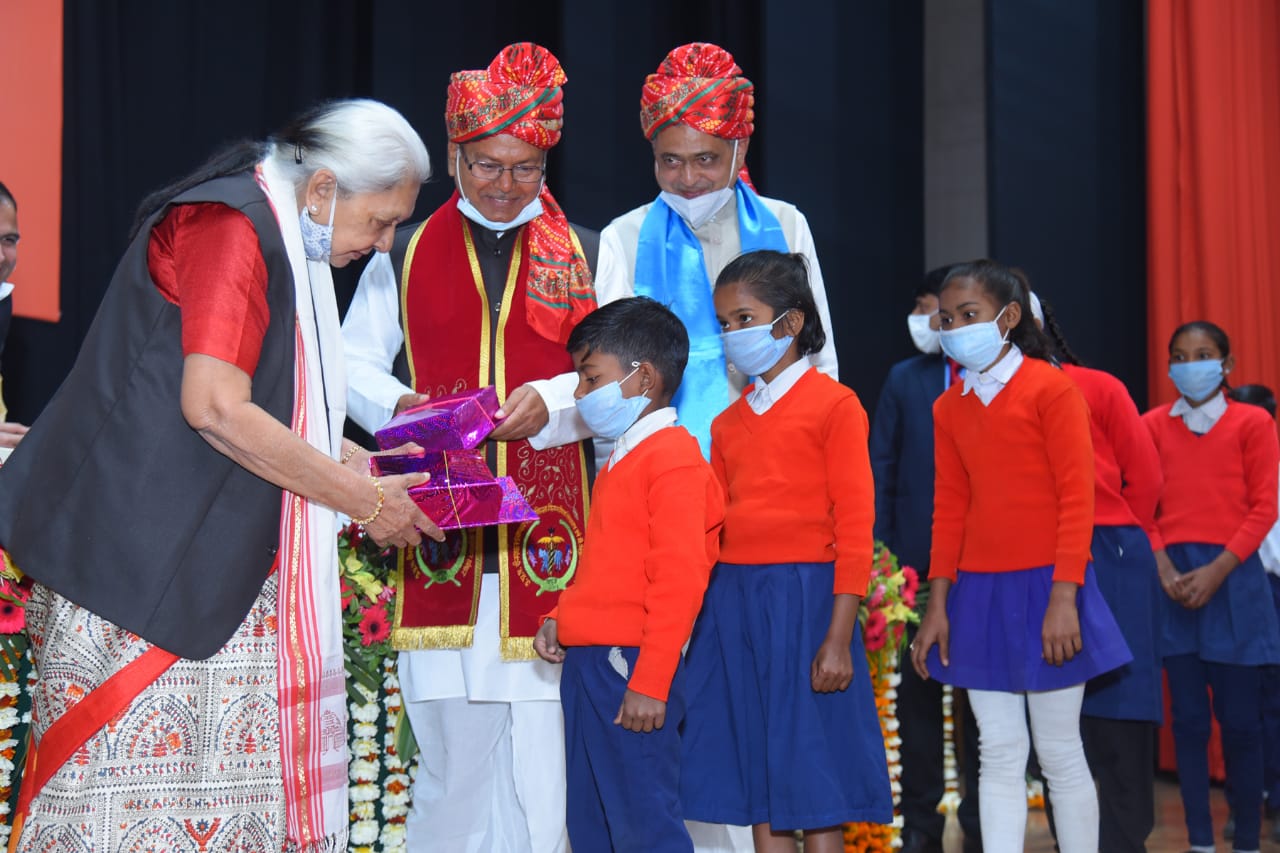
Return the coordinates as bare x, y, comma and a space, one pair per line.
615, 279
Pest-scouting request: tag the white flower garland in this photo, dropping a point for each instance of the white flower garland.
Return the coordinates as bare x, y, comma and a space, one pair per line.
378, 812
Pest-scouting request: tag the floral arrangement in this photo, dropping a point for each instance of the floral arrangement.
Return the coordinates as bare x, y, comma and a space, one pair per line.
16, 680
887, 608
383, 752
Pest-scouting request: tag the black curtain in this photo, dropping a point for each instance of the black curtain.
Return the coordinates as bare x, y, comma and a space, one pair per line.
153, 87
1067, 168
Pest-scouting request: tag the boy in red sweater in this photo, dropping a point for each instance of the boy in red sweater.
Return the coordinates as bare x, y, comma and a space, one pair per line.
620, 629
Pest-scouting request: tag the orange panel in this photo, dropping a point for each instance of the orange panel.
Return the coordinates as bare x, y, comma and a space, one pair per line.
31, 149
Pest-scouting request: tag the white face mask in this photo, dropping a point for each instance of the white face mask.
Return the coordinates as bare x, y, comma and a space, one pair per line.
530, 211
927, 339
698, 211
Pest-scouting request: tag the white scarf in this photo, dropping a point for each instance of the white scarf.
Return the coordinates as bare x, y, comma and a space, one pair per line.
310, 672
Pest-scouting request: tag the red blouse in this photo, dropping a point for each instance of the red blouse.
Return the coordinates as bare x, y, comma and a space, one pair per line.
205, 259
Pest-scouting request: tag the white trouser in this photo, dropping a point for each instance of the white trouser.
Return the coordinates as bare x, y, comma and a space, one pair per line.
491, 777
1002, 780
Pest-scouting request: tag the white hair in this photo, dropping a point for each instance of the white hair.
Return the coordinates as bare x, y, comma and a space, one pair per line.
367, 145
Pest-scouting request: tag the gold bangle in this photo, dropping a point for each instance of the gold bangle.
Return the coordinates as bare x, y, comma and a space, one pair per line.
377, 510
346, 457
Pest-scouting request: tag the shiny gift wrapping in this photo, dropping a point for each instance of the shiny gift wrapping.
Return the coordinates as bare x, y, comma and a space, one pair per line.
461, 492
458, 421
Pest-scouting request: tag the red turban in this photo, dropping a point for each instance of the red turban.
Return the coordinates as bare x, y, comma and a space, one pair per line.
518, 94
699, 85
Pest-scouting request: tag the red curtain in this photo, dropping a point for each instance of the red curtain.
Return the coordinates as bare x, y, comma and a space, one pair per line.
1213, 196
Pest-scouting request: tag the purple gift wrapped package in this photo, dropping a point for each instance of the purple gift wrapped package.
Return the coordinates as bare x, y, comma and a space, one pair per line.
458, 421
461, 492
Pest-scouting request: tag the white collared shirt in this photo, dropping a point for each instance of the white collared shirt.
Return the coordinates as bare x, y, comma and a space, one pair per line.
640, 430
991, 382
765, 394
1200, 419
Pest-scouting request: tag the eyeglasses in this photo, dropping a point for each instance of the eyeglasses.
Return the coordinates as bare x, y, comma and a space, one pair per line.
485, 171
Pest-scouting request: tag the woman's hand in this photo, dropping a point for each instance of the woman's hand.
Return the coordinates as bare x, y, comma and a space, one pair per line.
1060, 633
832, 667
399, 522
1169, 575
359, 460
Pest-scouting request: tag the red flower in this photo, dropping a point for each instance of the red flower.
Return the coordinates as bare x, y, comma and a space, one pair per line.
374, 627
873, 635
13, 600
347, 592
876, 599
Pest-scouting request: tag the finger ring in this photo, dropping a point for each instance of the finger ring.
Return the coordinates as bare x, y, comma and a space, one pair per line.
911, 647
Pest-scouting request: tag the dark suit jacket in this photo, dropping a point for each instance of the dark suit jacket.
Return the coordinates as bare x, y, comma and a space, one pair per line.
902, 458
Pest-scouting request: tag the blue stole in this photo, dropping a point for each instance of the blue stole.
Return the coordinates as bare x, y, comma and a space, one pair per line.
670, 269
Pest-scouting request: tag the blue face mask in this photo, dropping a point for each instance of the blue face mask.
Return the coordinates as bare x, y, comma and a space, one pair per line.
976, 345
317, 239
530, 211
754, 350
1197, 380
607, 413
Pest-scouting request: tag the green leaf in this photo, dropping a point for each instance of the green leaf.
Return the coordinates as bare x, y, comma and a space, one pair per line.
406, 743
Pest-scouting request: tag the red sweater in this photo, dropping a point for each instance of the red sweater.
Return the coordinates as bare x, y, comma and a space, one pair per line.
1013, 487
652, 538
798, 480
1127, 476
1220, 487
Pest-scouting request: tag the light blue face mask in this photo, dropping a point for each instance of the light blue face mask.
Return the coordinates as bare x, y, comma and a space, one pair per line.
530, 211
607, 413
1197, 380
975, 346
754, 350
317, 239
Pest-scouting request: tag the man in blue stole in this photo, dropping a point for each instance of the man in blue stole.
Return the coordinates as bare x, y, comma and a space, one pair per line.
697, 112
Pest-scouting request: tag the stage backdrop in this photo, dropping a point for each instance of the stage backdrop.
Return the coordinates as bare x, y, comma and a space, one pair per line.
1214, 171
152, 87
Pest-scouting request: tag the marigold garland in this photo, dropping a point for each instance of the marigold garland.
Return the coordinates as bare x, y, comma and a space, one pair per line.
886, 610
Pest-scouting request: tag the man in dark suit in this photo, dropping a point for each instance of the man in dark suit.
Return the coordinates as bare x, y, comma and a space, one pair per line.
902, 461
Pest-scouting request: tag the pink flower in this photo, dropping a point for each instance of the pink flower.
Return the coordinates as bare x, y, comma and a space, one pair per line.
898, 630
876, 599
873, 635
388, 593
13, 601
912, 582
374, 627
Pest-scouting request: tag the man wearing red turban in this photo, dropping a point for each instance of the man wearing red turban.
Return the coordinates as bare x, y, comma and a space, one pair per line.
698, 112
484, 292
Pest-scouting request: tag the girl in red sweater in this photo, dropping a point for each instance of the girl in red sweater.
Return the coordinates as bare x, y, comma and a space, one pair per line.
1014, 613
1218, 626
781, 731
1123, 707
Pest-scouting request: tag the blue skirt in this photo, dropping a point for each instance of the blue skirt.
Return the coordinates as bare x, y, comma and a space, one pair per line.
996, 622
1129, 581
1237, 626
759, 744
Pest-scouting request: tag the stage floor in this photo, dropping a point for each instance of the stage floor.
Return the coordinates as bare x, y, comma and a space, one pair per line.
1169, 835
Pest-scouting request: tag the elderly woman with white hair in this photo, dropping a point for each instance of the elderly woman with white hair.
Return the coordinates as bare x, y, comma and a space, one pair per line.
176, 505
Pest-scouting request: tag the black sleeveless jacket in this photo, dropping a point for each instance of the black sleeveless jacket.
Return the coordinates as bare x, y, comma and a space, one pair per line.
114, 501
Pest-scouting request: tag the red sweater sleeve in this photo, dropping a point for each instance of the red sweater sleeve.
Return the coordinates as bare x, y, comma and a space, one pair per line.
1139, 462
682, 550
205, 258
851, 492
950, 500
1067, 437
1261, 451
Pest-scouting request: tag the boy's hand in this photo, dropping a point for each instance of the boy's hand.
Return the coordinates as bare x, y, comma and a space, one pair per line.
547, 643
832, 668
640, 713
